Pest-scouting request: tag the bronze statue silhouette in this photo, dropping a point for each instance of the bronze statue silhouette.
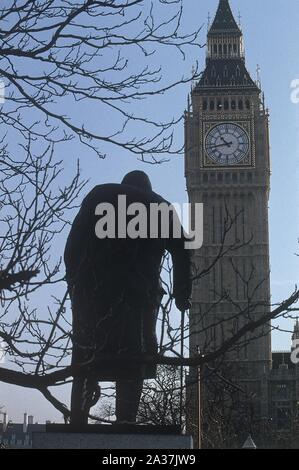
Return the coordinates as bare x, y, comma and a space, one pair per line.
115, 292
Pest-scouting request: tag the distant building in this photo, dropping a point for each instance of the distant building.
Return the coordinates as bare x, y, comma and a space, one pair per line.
18, 435
283, 390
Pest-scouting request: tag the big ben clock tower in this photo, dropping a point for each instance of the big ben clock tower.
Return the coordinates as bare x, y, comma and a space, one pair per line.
227, 168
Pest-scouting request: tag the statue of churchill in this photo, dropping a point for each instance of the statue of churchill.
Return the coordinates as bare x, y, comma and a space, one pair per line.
115, 290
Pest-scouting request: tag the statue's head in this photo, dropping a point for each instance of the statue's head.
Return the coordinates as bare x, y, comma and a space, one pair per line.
138, 179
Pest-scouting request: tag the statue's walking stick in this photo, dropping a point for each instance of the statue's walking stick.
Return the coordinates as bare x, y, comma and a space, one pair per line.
182, 367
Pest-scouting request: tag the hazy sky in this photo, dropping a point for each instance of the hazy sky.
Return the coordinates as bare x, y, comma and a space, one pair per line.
271, 40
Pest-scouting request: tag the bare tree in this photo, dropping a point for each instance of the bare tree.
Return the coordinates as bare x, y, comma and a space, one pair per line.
57, 57
33, 212
159, 404
52, 350
35, 206
230, 412
161, 398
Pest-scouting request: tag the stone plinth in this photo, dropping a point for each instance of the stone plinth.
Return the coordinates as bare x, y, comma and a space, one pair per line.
111, 437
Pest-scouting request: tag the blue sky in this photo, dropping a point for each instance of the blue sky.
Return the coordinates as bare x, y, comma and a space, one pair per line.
271, 40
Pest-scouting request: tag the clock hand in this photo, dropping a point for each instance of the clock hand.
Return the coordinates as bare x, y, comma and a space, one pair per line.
227, 144
225, 141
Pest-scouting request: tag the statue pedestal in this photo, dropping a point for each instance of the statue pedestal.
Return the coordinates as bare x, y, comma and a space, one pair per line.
111, 437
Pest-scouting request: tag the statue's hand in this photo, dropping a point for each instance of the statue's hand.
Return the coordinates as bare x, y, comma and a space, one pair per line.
183, 304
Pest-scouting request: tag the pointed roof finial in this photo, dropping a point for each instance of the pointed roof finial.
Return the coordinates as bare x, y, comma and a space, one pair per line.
296, 330
239, 18
249, 443
193, 82
283, 365
209, 20
224, 19
258, 76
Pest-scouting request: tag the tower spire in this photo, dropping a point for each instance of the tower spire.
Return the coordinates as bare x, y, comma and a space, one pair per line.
225, 38
224, 20
225, 60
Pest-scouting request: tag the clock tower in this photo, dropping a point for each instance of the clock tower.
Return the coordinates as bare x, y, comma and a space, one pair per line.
227, 168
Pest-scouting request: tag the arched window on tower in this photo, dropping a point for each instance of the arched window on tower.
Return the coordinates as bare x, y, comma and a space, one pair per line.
225, 71
240, 104
205, 105
225, 49
212, 105
220, 49
235, 48
229, 49
213, 72
233, 105
226, 105
247, 104
215, 49
219, 105
238, 72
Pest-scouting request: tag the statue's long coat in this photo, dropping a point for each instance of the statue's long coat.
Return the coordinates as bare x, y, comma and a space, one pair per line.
114, 284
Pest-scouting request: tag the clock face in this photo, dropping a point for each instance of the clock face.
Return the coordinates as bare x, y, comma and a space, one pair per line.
227, 144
